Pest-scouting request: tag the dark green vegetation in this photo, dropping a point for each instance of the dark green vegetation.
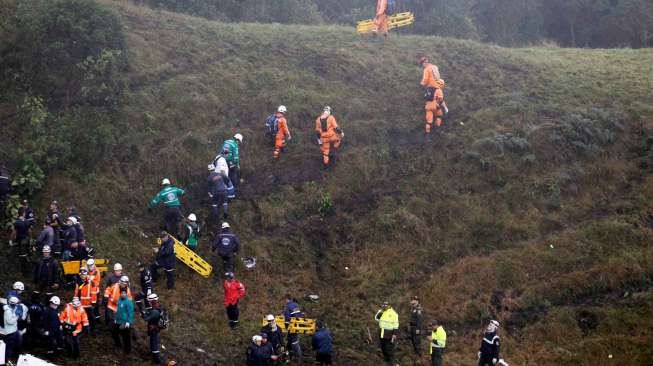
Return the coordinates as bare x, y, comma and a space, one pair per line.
537, 211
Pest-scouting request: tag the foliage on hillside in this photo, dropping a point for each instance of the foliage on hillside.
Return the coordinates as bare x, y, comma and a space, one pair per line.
534, 210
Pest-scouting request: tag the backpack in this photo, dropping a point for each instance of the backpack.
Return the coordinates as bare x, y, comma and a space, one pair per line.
391, 8
429, 94
164, 319
271, 125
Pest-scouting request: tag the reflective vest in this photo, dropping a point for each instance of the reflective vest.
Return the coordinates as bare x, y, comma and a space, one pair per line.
113, 294
438, 339
389, 321
95, 276
87, 293
76, 318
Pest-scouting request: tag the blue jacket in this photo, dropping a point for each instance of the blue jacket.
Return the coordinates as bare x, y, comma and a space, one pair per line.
292, 311
51, 321
323, 342
166, 254
125, 311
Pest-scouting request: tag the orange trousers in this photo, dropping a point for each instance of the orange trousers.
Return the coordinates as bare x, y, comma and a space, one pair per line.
381, 23
327, 141
433, 111
279, 143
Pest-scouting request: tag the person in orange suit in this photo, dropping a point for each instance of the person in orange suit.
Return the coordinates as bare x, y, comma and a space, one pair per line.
435, 108
381, 18
283, 133
73, 319
328, 133
86, 289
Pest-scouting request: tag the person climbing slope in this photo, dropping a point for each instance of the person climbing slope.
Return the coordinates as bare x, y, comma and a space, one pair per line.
435, 106
328, 134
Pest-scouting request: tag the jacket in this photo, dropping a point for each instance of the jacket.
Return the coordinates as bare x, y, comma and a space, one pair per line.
46, 273
231, 146
416, 317
275, 337
46, 237
169, 196
490, 345
146, 281
221, 165
166, 254
430, 76
191, 234
326, 127
257, 355
291, 310
322, 342
12, 315
217, 184
87, 292
51, 322
112, 294
388, 322
227, 244
283, 126
125, 311
74, 319
233, 292
438, 339
95, 276
152, 316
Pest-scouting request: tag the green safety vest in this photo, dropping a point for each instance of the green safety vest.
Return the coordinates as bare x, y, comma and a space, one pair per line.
192, 241
438, 339
169, 196
389, 320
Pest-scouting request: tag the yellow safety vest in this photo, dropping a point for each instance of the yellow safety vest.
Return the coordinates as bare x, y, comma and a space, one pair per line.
389, 320
438, 339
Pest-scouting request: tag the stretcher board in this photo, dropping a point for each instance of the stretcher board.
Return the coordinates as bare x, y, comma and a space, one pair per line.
394, 21
297, 325
72, 267
190, 258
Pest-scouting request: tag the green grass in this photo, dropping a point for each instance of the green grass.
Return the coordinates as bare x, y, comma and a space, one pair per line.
548, 155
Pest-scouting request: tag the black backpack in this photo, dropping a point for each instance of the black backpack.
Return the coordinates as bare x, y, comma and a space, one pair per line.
271, 125
164, 319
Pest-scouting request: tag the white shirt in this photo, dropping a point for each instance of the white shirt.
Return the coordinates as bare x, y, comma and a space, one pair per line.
221, 165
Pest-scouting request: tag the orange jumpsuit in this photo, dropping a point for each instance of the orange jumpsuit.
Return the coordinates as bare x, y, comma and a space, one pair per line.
326, 127
282, 135
433, 108
75, 317
381, 19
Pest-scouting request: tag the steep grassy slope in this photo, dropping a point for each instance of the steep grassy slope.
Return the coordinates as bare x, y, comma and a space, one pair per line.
534, 210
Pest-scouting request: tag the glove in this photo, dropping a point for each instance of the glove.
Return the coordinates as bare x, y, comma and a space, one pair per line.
289, 138
342, 135
126, 325
446, 110
416, 331
319, 141
478, 356
46, 333
394, 337
494, 361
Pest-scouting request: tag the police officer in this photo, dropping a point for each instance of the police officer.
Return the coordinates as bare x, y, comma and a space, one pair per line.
388, 326
227, 245
165, 258
47, 273
292, 310
488, 354
52, 327
415, 324
438, 342
152, 316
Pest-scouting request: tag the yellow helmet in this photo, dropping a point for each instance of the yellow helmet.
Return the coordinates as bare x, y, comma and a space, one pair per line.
441, 83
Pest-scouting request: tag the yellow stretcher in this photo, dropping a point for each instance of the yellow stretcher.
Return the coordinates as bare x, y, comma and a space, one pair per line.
190, 258
297, 325
394, 21
72, 267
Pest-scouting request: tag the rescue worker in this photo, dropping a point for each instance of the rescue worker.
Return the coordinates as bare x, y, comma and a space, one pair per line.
111, 296
415, 324
273, 333
435, 107
381, 18
46, 236
169, 195
17, 290
147, 287
233, 292
34, 321
47, 273
121, 331
292, 310
328, 133
322, 343
218, 183
165, 258
52, 327
388, 325
73, 320
283, 133
267, 349
20, 236
191, 232
488, 354
29, 213
5, 187
111, 280
87, 291
13, 313
68, 237
227, 245
80, 236
438, 342
56, 221
256, 353
152, 316
230, 149
93, 273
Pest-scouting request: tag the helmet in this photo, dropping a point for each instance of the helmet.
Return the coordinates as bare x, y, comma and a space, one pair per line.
327, 109
124, 279
270, 317
239, 137
117, 267
495, 323
165, 181
423, 59
225, 225
153, 297
229, 275
282, 109
83, 270
13, 300
441, 83
73, 220
211, 167
55, 300
257, 338
90, 263
163, 234
46, 249
19, 286
76, 302
172, 363
192, 217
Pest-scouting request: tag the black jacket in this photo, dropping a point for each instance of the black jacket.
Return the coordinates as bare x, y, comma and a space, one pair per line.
51, 321
166, 254
257, 355
275, 338
227, 244
47, 272
146, 281
490, 345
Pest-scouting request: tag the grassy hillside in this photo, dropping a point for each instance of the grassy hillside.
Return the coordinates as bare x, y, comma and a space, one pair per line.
534, 208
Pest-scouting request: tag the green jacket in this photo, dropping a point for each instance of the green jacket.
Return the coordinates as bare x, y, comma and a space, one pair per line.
231, 145
192, 233
169, 196
125, 311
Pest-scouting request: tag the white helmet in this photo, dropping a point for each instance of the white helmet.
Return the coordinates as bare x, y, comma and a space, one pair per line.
55, 300
282, 109
225, 225
153, 297
90, 262
269, 318
327, 109
46, 249
13, 300
257, 338
73, 220
117, 267
19, 286
192, 217
165, 181
239, 137
124, 279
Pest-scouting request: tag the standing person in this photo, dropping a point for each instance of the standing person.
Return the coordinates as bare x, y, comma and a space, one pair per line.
5, 187
147, 287
29, 213
56, 221
435, 106
169, 195
121, 331
257, 354
322, 343
93, 273
292, 310
111, 280
282, 133
273, 333
13, 313
415, 325
47, 274
111, 297
191, 232
46, 236
231, 149
227, 245
218, 182
233, 292
165, 258
52, 327
20, 235
438, 342
388, 325
69, 238
152, 316
381, 18
328, 133
87, 291
488, 354
73, 320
